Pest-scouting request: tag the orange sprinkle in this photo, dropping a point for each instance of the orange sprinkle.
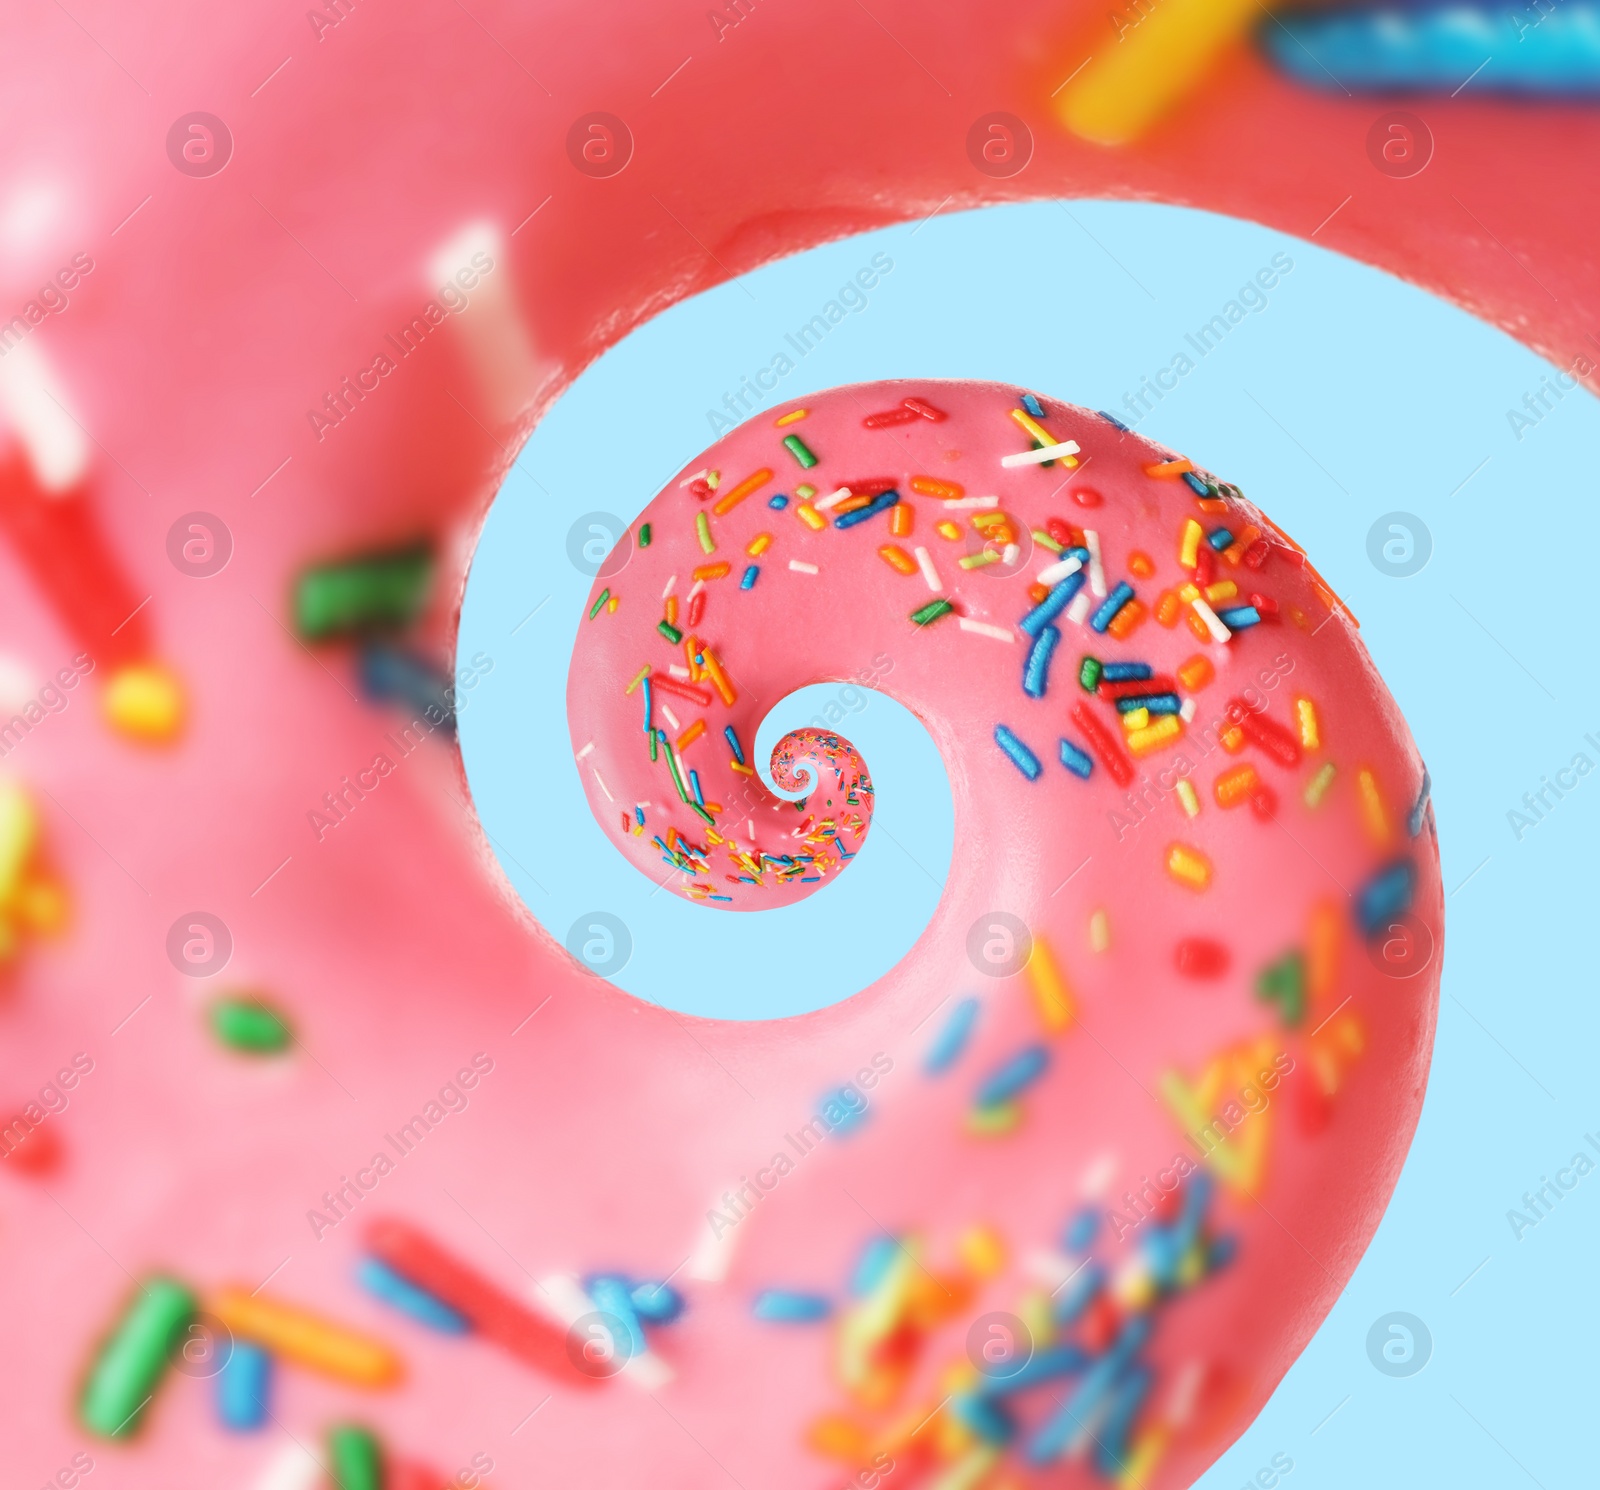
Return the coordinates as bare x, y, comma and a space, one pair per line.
758, 545
1234, 786
1141, 564
719, 678
1323, 943
794, 416
1167, 608
1196, 673
1188, 866
1196, 625
931, 486
711, 571
1052, 998
851, 503
1373, 811
1232, 739
811, 517
1128, 619
900, 518
1211, 504
690, 735
1179, 467
731, 499
672, 610
1037, 593
1306, 714
897, 558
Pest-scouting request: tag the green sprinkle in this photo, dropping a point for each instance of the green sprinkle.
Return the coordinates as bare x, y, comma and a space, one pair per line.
644, 535
702, 528
672, 766
932, 611
249, 1023
979, 560
655, 753
805, 491
1044, 540
799, 450
1089, 671
373, 592
594, 610
354, 1458
671, 632
1284, 984
703, 813
1317, 787
130, 1362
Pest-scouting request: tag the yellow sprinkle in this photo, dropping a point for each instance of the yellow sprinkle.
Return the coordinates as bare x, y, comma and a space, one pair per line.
42, 906
1373, 811
1317, 787
805, 491
981, 520
1135, 719
1051, 996
1306, 712
702, 528
1224, 589
1034, 428
982, 1250
1148, 1448
758, 545
993, 1122
612, 604
144, 701
1100, 931
947, 529
811, 517
1188, 797
794, 416
19, 832
1188, 866
644, 672
1166, 729
1189, 546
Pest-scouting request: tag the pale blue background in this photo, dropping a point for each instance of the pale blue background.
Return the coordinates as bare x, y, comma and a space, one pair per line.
1350, 396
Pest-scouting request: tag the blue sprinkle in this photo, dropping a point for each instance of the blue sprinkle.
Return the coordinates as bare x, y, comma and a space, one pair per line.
952, 1038
749, 577
614, 1296
778, 503
1075, 760
1156, 703
382, 1282
1386, 895
638, 813
1021, 757
1219, 539
1221, 1253
1419, 808
878, 504
1113, 603
694, 786
733, 743
1237, 617
1125, 672
1044, 1365
1082, 1229
656, 1303
1053, 604
1111, 1441
784, 1306
854, 1109
1078, 1293
1013, 1076
1112, 420
1067, 1426
647, 706
984, 1416
243, 1386
1033, 406
1196, 485
873, 1265
1036, 674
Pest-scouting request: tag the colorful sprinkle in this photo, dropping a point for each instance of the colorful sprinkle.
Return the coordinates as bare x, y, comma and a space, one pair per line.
1020, 756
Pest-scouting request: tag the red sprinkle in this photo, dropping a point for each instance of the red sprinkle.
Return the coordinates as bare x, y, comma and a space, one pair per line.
1264, 802
1129, 687
890, 417
1067, 537
1265, 733
872, 486
1086, 496
1200, 957
697, 608
664, 683
1108, 750
926, 410
1205, 566
1256, 556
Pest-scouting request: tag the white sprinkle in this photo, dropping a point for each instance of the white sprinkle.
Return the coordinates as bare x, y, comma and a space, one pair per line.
1079, 608
1010, 553
929, 573
695, 589
713, 1253
801, 567
1187, 710
292, 1468
1097, 1178
603, 787
1052, 1270
969, 504
824, 504
562, 1298
672, 581
1097, 571
672, 718
704, 475
1058, 572
983, 628
1219, 632
586, 749
1040, 456
678, 670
